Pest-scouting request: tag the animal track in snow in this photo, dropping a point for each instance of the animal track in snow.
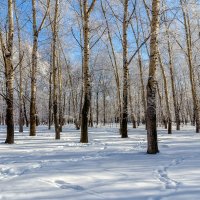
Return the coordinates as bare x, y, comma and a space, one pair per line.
164, 178
162, 175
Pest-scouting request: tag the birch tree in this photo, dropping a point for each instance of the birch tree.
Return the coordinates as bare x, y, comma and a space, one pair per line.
151, 85
21, 116
7, 52
190, 63
36, 31
86, 74
55, 71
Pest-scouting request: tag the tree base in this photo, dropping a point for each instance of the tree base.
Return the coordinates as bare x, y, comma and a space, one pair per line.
148, 152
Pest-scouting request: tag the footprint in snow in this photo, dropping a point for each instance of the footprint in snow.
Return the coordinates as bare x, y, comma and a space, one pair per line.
176, 161
162, 174
163, 177
65, 185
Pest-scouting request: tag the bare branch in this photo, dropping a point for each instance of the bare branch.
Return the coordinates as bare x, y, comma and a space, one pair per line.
98, 39
91, 7
144, 42
76, 39
45, 15
133, 11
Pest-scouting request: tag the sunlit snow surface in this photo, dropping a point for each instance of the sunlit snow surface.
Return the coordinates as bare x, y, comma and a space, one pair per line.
107, 168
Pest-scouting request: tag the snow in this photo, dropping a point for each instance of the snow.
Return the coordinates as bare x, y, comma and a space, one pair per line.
106, 168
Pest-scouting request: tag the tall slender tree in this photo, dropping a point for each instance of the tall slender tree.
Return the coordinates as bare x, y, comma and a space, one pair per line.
21, 116
188, 36
124, 132
151, 85
55, 71
169, 119
86, 74
7, 52
113, 63
36, 31
172, 77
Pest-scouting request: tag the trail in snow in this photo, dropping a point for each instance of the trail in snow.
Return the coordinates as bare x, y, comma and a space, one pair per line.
162, 174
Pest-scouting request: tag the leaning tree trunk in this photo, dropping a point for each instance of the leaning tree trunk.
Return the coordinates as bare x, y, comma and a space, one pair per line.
151, 85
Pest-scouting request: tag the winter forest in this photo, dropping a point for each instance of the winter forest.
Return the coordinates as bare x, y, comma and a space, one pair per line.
99, 99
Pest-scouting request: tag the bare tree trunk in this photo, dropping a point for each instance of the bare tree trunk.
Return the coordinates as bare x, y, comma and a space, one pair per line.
86, 77
33, 91
60, 95
169, 120
21, 118
91, 117
151, 85
171, 68
7, 52
64, 108
86, 73
142, 85
50, 101
163, 118
104, 107
141, 70
76, 118
36, 31
80, 112
25, 115
55, 72
191, 68
124, 131
33, 74
97, 108
115, 67
131, 106
3, 120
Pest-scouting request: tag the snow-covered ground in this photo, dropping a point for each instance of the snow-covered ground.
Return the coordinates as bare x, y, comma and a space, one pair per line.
107, 168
